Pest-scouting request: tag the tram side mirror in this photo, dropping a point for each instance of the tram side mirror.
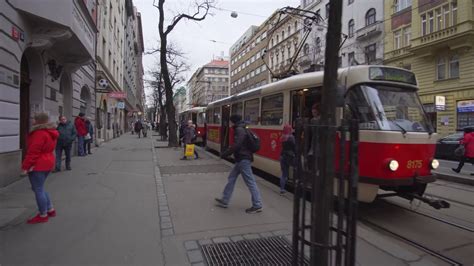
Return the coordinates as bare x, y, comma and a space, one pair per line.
340, 92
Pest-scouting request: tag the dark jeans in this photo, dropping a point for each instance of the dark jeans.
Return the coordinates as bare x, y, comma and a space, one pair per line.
463, 160
87, 146
37, 180
195, 152
139, 133
285, 164
80, 146
59, 154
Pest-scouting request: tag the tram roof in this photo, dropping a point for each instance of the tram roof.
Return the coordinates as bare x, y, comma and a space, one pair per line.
350, 76
197, 109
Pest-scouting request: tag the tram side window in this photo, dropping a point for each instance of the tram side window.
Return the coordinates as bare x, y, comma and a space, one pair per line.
209, 116
201, 118
237, 108
251, 111
217, 115
272, 110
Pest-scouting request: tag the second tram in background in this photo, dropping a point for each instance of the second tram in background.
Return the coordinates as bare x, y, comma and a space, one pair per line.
198, 116
397, 142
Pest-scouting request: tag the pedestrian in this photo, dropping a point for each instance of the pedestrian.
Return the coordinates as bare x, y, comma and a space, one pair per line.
145, 128
182, 126
287, 155
138, 127
243, 156
468, 142
89, 138
81, 130
189, 136
67, 135
132, 127
38, 163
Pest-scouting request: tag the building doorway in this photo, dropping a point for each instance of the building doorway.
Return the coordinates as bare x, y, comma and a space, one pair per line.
85, 101
65, 88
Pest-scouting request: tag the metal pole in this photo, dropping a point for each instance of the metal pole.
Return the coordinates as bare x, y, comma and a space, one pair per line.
324, 193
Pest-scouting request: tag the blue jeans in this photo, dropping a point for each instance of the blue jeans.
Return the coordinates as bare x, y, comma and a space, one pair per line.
80, 146
243, 167
37, 180
59, 154
285, 171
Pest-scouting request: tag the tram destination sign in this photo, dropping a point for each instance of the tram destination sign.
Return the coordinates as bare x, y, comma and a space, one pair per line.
392, 74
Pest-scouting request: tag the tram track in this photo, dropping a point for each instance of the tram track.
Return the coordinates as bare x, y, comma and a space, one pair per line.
413, 243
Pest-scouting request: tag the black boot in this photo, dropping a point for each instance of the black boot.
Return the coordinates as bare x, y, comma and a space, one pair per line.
456, 170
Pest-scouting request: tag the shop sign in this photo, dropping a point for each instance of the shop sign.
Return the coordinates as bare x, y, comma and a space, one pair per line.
466, 106
121, 105
117, 95
440, 103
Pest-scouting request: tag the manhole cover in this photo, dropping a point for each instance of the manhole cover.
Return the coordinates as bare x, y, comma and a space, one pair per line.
194, 169
264, 251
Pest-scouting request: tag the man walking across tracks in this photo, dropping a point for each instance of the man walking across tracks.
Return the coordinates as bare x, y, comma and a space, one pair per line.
67, 135
243, 156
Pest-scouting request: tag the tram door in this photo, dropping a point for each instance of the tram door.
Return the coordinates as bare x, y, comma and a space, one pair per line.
302, 104
225, 128
194, 118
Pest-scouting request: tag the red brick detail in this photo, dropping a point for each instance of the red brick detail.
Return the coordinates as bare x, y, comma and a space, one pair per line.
401, 18
424, 5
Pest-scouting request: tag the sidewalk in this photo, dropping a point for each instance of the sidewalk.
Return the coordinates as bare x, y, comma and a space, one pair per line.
107, 212
131, 204
444, 172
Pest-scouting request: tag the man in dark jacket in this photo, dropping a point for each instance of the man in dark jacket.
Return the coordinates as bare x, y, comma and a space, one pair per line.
138, 128
67, 134
243, 165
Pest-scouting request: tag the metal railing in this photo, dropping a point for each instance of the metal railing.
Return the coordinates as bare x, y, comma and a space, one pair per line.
307, 180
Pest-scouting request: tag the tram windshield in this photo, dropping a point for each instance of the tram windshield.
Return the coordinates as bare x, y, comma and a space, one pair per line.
380, 107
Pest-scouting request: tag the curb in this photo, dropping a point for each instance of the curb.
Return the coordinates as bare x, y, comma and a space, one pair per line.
455, 179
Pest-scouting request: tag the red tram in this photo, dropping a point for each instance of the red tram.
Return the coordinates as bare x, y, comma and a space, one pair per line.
198, 116
397, 142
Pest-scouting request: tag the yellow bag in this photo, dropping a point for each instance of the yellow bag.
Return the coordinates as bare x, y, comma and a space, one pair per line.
189, 150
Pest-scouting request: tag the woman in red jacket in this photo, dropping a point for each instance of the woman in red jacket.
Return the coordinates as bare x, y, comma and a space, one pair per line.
38, 163
468, 142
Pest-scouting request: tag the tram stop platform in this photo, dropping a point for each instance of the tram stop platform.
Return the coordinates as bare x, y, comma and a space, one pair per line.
133, 202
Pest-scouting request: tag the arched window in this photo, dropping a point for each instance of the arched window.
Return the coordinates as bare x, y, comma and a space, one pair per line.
273, 43
370, 17
278, 38
350, 28
289, 29
318, 44
306, 49
282, 35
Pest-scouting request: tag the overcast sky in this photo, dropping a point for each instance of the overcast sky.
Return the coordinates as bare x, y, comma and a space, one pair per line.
194, 38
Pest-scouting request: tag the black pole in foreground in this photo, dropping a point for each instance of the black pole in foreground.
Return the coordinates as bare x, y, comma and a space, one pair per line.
324, 191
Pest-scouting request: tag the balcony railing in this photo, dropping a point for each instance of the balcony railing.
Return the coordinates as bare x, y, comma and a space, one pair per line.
369, 31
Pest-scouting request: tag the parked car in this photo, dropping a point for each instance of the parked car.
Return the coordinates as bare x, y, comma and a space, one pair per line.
445, 146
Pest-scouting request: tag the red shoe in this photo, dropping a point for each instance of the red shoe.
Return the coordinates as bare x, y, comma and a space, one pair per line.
52, 213
38, 219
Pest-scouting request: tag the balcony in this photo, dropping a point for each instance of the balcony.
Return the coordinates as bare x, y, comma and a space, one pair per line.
394, 54
71, 33
369, 31
458, 36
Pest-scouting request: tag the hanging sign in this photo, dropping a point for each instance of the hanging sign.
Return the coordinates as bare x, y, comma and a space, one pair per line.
440, 103
117, 95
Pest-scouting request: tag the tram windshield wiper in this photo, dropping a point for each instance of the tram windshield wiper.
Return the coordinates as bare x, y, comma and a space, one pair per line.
399, 126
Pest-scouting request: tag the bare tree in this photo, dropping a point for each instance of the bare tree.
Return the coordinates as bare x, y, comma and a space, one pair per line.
202, 10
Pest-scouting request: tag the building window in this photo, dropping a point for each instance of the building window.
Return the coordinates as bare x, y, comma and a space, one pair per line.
465, 114
454, 66
351, 59
441, 69
401, 4
446, 16
327, 10
370, 17
296, 25
407, 36
397, 39
430, 22
350, 27
305, 50
454, 11
370, 54
282, 35
318, 44
439, 19
423, 25
289, 30
350, 2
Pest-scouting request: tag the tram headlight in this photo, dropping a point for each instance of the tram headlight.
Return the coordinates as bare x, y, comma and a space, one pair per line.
393, 165
434, 164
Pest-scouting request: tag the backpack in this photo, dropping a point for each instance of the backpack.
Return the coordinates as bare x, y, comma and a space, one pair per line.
254, 141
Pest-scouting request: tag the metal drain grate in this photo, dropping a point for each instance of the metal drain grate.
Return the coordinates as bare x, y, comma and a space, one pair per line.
264, 251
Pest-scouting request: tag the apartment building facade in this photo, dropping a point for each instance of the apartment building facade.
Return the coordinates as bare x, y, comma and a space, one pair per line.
362, 34
248, 69
209, 83
46, 65
284, 41
434, 38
